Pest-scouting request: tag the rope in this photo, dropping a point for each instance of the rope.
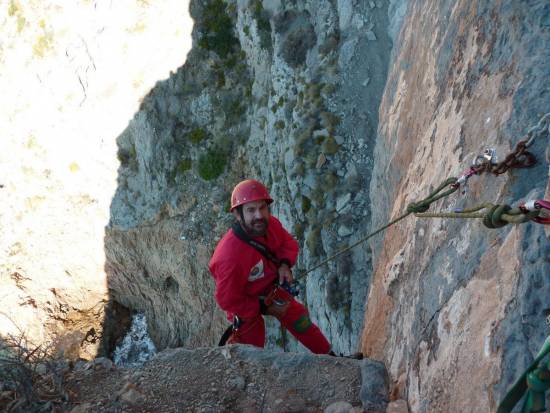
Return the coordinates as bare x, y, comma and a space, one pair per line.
412, 208
535, 380
496, 216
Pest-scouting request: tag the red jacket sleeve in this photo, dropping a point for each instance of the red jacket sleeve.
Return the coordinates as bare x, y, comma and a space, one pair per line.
230, 293
288, 250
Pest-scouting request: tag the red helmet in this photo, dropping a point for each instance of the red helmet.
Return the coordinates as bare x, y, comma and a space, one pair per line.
249, 191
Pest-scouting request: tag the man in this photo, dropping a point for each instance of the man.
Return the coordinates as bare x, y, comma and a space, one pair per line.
248, 282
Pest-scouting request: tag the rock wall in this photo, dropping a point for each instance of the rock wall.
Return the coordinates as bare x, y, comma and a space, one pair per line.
457, 310
281, 92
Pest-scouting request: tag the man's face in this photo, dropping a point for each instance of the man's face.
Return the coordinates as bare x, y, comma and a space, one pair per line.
256, 218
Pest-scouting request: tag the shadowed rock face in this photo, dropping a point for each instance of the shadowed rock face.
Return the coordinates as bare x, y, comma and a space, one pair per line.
455, 309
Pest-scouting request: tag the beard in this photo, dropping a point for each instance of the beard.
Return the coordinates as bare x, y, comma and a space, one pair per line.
256, 228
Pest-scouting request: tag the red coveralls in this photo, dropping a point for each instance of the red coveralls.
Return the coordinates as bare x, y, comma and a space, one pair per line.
243, 274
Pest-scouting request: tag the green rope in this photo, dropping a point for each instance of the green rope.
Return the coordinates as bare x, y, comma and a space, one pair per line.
496, 216
413, 207
535, 381
424, 205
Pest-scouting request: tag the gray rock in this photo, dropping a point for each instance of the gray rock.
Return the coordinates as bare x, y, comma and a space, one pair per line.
374, 387
103, 363
237, 382
338, 407
344, 231
82, 408
297, 43
397, 406
345, 13
339, 139
347, 52
321, 133
342, 201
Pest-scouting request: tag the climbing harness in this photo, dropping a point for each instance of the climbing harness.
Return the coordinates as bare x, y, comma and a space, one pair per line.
267, 253
534, 381
231, 334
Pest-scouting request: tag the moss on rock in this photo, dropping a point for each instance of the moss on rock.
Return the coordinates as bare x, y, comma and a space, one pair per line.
197, 135
212, 164
217, 29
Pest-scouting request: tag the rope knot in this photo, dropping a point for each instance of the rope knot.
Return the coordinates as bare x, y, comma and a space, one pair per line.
493, 218
417, 207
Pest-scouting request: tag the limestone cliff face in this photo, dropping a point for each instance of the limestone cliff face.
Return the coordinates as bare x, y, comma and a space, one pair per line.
456, 310
281, 92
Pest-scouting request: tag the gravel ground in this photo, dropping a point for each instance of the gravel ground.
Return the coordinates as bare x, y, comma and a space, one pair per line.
233, 378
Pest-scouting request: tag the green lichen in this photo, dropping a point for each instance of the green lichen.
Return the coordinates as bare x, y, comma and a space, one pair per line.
128, 157
217, 29
235, 110
329, 89
314, 91
262, 23
298, 230
220, 79
241, 69
197, 135
313, 241
298, 169
330, 147
184, 165
330, 44
262, 122
329, 120
330, 180
231, 61
306, 204
318, 196
300, 140
311, 216
279, 125
310, 158
212, 164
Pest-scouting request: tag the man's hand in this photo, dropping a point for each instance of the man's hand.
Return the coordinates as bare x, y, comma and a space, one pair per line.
285, 274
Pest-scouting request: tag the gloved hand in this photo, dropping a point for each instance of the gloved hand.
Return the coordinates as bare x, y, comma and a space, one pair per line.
285, 273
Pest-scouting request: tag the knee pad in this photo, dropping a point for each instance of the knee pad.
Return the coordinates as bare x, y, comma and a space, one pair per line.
302, 324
